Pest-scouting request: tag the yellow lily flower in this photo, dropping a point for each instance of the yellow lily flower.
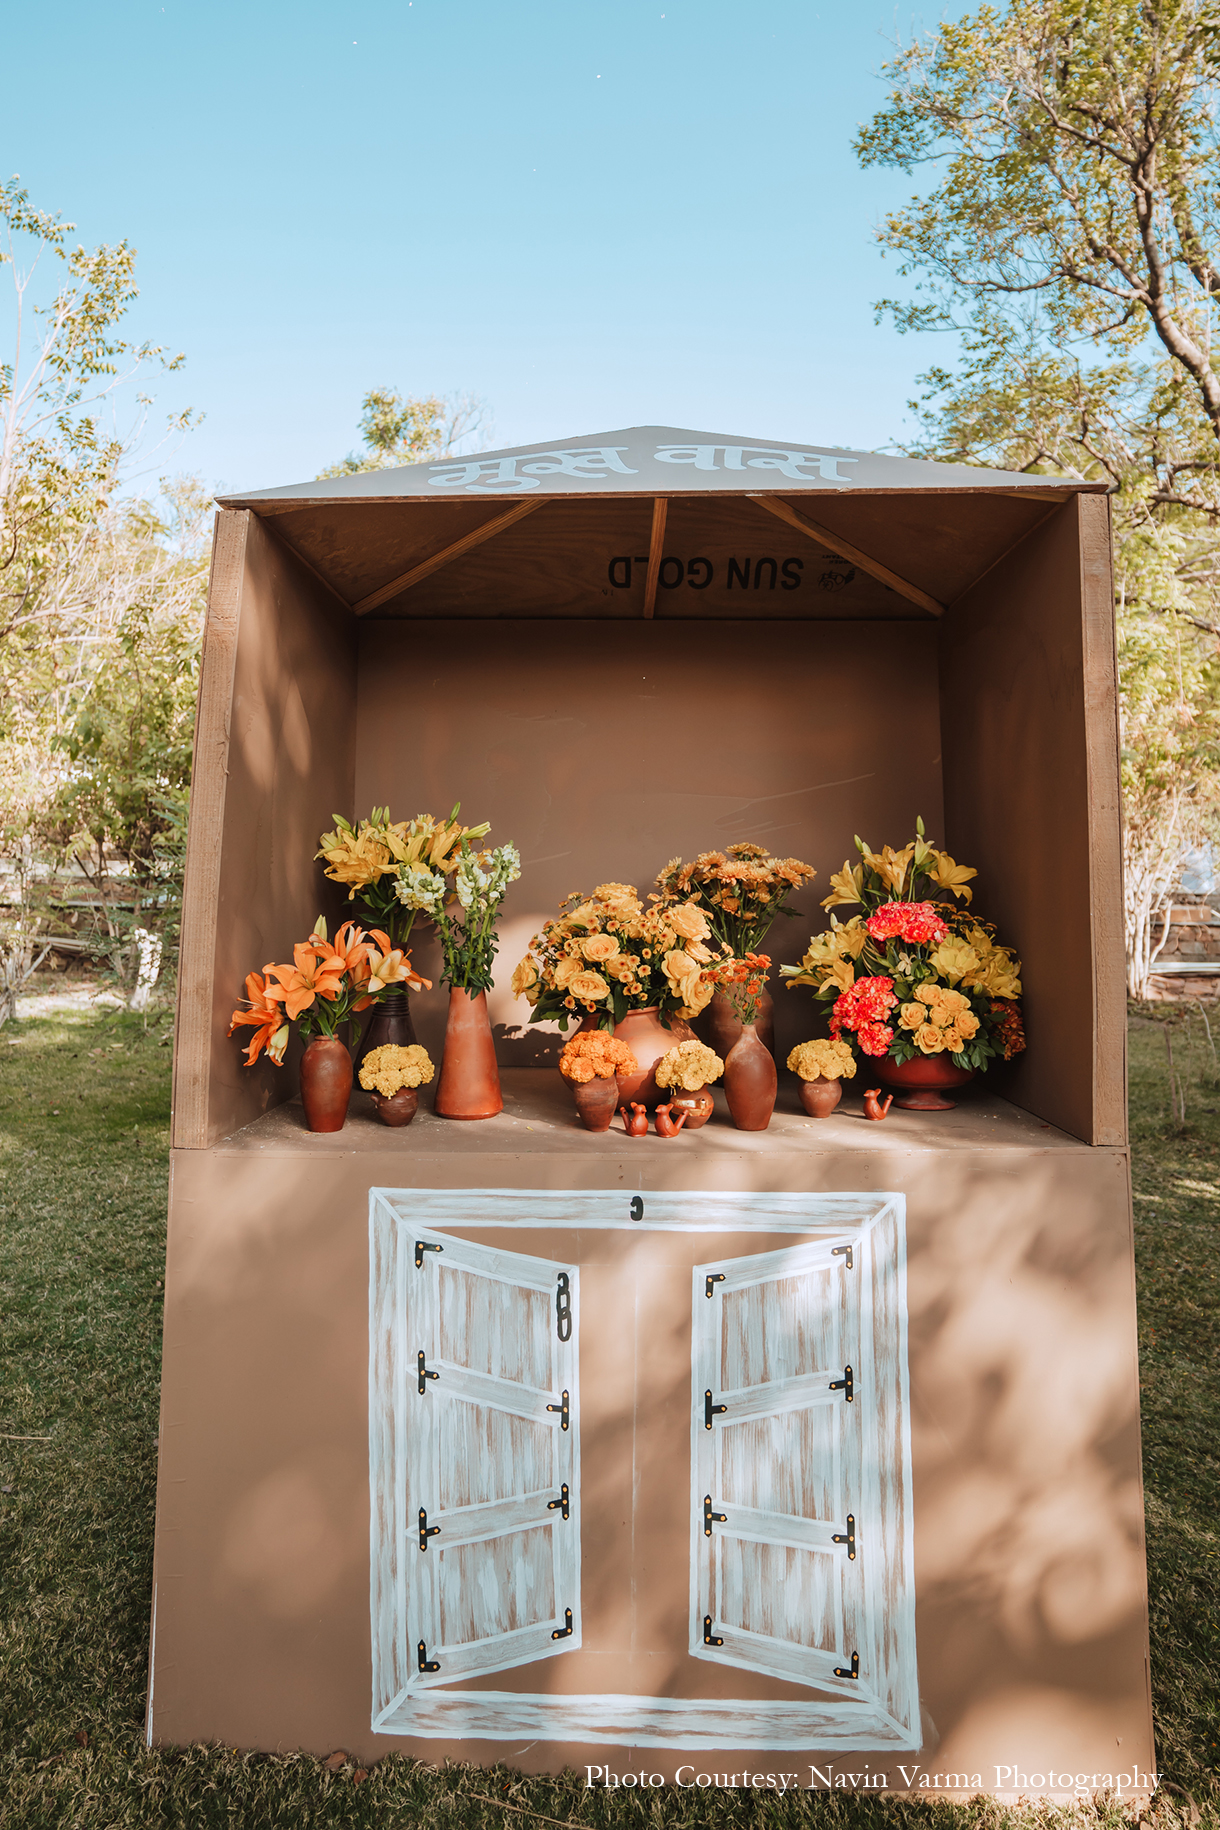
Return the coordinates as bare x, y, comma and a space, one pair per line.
845, 885
952, 877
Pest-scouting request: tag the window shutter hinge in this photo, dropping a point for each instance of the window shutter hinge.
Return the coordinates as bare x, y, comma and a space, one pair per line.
561, 1504
845, 1253
424, 1662
563, 1308
847, 1537
855, 1668
711, 1410
846, 1385
422, 1246
562, 1410
426, 1531
424, 1374
713, 1277
708, 1516
565, 1631
709, 1638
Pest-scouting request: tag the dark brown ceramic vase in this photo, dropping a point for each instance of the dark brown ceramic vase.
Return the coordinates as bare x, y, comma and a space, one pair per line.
326, 1083
820, 1097
722, 1025
390, 1022
596, 1101
697, 1105
648, 1039
750, 1082
398, 1108
920, 1084
469, 1086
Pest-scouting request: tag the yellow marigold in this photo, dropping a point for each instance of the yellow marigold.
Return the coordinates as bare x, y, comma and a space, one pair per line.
690, 1065
822, 1059
388, 1069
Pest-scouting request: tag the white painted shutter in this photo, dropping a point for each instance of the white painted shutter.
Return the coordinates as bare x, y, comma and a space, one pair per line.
491, 1456
805, 1572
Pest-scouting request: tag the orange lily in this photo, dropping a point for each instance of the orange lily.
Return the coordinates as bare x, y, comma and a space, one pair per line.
308, 979
266, 1018
391, 966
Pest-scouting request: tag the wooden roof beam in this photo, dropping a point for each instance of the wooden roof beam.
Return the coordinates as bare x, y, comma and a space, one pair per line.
660, 508
775, 505
445, 557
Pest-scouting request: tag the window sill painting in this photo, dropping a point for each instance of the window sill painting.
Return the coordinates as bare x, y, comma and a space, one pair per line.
768, 1333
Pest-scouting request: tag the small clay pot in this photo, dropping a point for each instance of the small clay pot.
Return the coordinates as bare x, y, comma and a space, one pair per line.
469, 1084
596, 1101
398, 1108
750, 1082
697, 1105
326, 1083
820, 1096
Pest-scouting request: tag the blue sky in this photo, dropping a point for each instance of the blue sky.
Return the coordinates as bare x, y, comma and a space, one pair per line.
591, 213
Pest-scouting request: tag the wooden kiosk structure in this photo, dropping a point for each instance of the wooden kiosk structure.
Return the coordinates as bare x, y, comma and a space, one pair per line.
566, 1552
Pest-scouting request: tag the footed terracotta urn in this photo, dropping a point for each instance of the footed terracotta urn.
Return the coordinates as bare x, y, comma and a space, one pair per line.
920, 1085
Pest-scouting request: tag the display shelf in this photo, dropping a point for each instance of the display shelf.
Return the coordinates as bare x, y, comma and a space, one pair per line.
539, 1118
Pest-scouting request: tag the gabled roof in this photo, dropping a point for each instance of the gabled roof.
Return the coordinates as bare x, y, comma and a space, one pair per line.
656, 461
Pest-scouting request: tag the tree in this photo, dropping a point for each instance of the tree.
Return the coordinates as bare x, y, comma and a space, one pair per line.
412, 431
1066, 240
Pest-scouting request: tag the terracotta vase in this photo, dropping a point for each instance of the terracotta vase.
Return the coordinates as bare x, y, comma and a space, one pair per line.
722, 1025
390, 1022
469, 1084
820, 1097
326, 1083
920, 1084
596, 1101
396, 1108
697, 1105
750, 1082
648, 1039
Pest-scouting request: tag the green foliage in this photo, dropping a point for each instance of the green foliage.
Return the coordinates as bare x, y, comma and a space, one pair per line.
411, 431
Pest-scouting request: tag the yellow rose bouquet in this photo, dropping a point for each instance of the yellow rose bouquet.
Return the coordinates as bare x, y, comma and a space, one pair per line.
609, 953
911, 975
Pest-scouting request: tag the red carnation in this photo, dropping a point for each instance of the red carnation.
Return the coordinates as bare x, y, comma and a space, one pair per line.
915, 922
874, 1038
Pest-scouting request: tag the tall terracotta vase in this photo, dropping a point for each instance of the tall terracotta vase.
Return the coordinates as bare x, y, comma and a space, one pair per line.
326, 1083
390, 1022
648, 1039
722, 1025
750, 1081
469, 1085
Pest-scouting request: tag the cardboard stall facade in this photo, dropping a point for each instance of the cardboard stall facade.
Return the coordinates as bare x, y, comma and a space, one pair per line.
810, 1452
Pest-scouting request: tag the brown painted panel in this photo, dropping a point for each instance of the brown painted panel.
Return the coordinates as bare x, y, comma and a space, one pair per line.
1030, 764
286, 767
603, 759
1031, 1626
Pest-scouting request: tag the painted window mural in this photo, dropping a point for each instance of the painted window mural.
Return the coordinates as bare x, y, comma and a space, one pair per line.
794, 1525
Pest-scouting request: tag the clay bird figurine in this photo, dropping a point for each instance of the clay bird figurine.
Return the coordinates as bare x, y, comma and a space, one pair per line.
874, 1106
635, 1122
666, 1126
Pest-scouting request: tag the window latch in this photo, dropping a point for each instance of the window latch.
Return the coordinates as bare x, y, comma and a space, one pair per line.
563, 1308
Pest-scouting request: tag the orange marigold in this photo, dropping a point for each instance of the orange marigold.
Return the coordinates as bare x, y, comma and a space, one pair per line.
593, 1055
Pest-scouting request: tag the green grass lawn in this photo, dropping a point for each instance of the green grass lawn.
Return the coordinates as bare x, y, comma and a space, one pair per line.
84, 1114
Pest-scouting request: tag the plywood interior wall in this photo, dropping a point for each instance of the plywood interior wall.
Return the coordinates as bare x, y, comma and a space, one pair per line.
274, 758
604, 756
1031, 798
